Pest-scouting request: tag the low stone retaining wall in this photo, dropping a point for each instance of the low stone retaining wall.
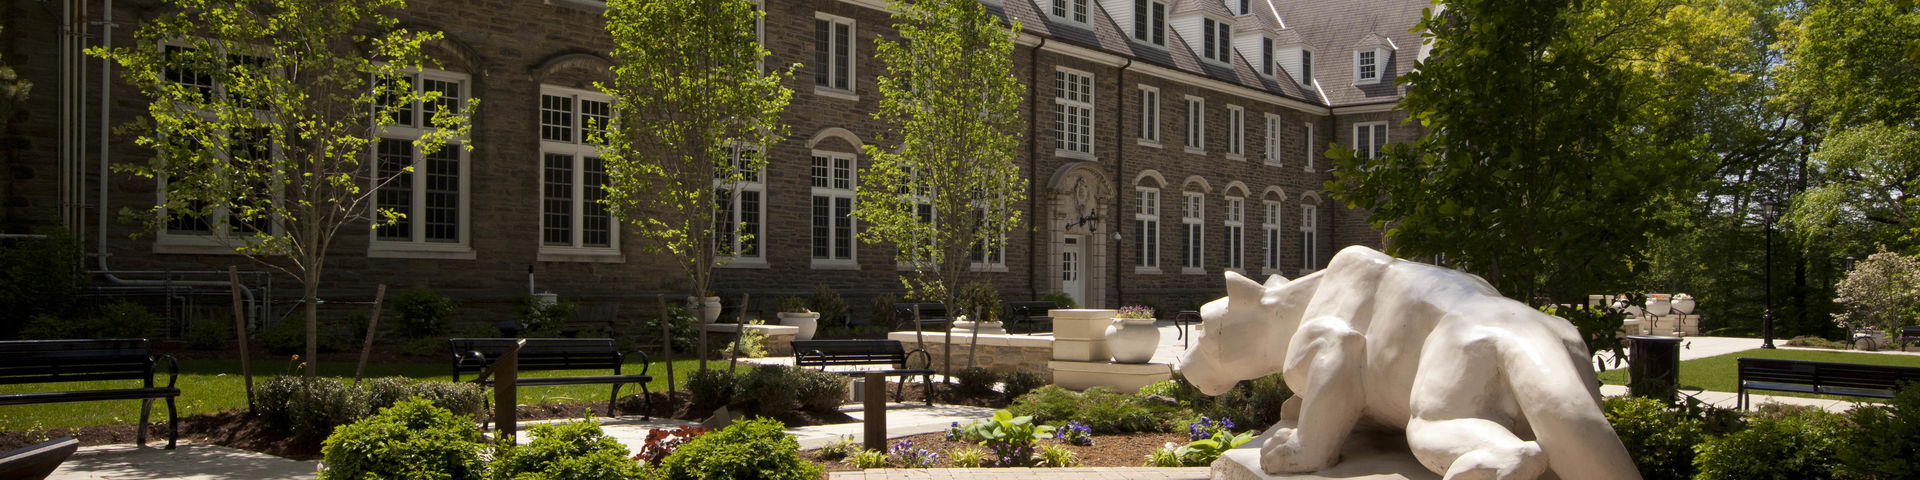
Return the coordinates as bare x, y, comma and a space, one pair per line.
1001, 353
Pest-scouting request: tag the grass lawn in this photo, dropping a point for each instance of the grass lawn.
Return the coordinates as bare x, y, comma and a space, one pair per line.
1720, 373
216, 385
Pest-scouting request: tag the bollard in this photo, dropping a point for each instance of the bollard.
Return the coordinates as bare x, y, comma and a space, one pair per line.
876, 411
1653, 367
506, 372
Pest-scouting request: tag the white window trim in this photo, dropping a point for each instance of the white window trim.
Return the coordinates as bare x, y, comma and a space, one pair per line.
1306, 139
1309, 229
1269, 57
1274, 140
1270, 227
1086, 11
1236, 133
419, 247
1090, 119
1152, 268
759, 260
219, 239
1379, 64
852, 262
1208, 54
1196, 126
1235, 220
580, 148
1150, 119
991, 264
853, 60
1306, 67
1367, 150
1193, 215
1162, 45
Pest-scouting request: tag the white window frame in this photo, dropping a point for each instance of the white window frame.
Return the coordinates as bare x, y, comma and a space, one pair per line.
990, 258
1306, 140
1193, 221
753, 182
1270, 235
1309, 238
1234, 227
1196, 125
1268, 64
1219, 50
1076, 11
1243, 4
1073, 110
1273, 137
219, 237
1153, 15
1236, 132
1369, 144
1146, 230
833, 192
579, 147
1149, 116
1306, 68
417, 246
1367, 65
852, 77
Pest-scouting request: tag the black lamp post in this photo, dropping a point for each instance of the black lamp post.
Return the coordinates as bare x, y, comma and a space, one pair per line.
1770, 210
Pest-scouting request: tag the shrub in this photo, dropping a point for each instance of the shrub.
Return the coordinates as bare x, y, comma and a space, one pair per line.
1058, 456
756, 448
1047, 403
539, 318
1210, 440
868, 459
1659, 438
680, 323
980, 301
1885, 440
1019, 382
413, 439
840, 448
768, 390
882, 309
566, 451
119, 319
792, 305
287, 336
311, 407
1795, 444
419, 312
1100, 408
318, 405
819, 391
1165, 457
1059, 299
1816, 342
1880, 292
749, 343
208, 334
832, 308
461, 398
711, 387
39, 276
967, 457
1251, 402
663, 442
1009, 437
975, 382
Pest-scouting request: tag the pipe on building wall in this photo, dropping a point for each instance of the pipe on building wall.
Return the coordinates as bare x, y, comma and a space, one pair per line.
1033, 167
1119, 176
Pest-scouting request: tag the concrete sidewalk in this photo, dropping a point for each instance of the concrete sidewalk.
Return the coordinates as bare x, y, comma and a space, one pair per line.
189, 461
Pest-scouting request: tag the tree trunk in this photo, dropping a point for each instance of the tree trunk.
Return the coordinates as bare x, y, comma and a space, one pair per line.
973, 346
700, 317
666, 341
311, 292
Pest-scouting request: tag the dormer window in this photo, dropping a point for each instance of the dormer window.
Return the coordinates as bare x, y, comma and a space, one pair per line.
1366, 67
1306, 68
1217, 41
1070, 10
1242, 4
1150, 22
1266, 56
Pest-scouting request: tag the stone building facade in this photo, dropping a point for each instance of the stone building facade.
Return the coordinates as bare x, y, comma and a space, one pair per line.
1161, 150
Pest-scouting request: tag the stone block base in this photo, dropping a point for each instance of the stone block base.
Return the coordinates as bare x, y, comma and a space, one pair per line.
1366, 456
1122, 377
1001, 353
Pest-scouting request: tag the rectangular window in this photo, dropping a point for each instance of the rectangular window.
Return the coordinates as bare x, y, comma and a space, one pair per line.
1196, 124
1150, 22
1235, 229
1146, 227
433, 196
833, 194
1369, 138
1366, 68
1309, 216
1236, 131
1213, 39
1272, 152
740, 208
1306, 139
1074, 10
253, 149
1194, 242
833, 52
1223, 49
1266, 56
1149, 114
1073, 110
1243, 8
1306, 68
573, 177
1270, 226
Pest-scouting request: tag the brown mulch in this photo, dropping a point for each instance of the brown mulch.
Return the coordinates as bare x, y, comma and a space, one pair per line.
947, 394
1115, 450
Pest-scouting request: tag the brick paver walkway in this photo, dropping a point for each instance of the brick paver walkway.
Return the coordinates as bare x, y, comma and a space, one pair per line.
1079, 473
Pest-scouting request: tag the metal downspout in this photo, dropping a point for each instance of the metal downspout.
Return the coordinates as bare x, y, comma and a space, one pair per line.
1119, 176
1033, 169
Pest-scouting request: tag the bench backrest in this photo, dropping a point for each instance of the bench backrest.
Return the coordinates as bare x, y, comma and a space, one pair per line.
821, 353
1910, 331
1826, 374
540, 353
904, 311
1023, 310
50, 361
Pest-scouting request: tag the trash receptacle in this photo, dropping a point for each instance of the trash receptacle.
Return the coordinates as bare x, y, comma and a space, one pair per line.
1653, 367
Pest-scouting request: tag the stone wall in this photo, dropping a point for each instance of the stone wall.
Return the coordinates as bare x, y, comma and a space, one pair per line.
1001, 353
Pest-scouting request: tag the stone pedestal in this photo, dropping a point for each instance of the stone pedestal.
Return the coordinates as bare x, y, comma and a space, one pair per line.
1081, 359
1122, 377
1080, 335
1366, 455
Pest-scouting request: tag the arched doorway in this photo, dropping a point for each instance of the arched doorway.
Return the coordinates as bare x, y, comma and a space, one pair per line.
1078, 225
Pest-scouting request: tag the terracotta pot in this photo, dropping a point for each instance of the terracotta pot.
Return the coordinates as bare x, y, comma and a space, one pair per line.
1133, 340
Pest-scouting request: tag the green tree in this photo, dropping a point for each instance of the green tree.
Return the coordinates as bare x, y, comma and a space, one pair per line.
259, 114
13, 92
1882, 292
693, 108
943, 192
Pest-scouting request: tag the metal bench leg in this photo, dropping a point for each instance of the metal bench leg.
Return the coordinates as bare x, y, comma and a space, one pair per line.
173, 424
646, 397
611, 400
928, 380
140, 433
899, 389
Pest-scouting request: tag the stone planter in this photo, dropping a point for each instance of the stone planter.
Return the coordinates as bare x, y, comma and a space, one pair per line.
707, 316
1133, 340
965, 328
807, 321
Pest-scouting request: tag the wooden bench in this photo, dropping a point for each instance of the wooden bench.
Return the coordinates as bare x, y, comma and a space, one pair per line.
835, 353
930, 315
1908, 334
1030, 314
1849, 379
476, 355
61, 361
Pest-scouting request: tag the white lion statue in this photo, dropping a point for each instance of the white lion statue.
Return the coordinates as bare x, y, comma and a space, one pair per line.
1484, 386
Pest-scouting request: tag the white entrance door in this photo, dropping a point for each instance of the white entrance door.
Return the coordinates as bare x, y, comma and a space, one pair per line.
1073, 265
